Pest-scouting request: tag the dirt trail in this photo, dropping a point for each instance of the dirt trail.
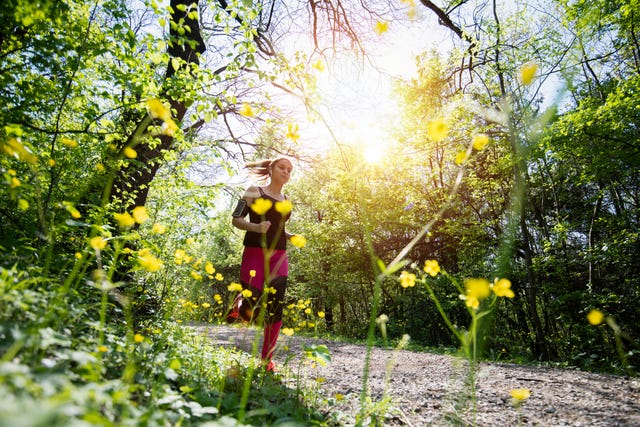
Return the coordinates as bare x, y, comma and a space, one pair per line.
423, 386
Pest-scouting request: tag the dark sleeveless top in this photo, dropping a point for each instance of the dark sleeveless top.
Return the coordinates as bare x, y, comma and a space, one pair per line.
276, 230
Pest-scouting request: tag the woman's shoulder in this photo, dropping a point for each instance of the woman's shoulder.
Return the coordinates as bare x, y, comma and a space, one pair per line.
253, 192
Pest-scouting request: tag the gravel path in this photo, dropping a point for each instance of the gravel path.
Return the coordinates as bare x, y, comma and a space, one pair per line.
426, 389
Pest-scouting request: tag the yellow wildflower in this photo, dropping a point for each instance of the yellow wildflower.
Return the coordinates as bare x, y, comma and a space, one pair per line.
138, 338
195, 275
14, 182
478, 288
209, 268
437, 129
69, 142
235, 287
140, 214
169, 127
595, 317
51, 163
284, 207
381, 27
206, 305
528, 72
287, 331
102, 348
219, 277
470, 301
98, 243
246, 293
461, 157
520, 394
148, 261
407, 280
292, 132
319, 65
158, 110
179, 256
502, 288
261, 206
298, 241
431, 267
125, 220
23, 205
321, 314
158, 228
14, 147
246, 110
130, 153
480, 141
252, 273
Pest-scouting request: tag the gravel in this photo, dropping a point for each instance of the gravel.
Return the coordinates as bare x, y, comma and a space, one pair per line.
424, 389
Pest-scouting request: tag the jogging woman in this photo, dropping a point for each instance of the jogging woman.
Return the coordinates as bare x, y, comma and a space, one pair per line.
264, 258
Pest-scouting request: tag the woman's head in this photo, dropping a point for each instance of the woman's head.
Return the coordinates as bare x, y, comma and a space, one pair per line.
264, 169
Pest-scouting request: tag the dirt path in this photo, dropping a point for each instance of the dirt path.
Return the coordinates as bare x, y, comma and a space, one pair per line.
423, 386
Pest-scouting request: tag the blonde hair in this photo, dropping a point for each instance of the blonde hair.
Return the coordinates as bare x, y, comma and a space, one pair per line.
262, 168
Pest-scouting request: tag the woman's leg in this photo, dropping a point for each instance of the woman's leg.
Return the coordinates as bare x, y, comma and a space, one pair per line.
273, 317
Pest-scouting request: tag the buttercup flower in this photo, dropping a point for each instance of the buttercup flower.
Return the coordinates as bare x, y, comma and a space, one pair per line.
140, 214
478, 288
437, 129
287, 331
520, 394
179, 256
246, 110
252, 273
158, 228
381, 27
321, 314
407, 280
502, 288
157, 110
528, 72
246, 293
209, 268
130, 153
470, 301
595, 317
125, 220
292, 132
98, 243
284, 207
138, 338
261, 206
461, 157
431, 267
479, 141
298, 241
235, 287
148, 261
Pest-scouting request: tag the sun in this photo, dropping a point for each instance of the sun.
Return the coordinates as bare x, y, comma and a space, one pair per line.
373, 153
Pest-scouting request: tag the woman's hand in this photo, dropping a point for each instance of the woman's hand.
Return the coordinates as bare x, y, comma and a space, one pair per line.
263, 227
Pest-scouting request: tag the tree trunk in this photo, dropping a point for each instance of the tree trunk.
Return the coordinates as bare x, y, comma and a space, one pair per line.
134, 180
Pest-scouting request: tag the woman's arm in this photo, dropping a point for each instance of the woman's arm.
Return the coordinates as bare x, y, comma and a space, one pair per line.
242, 223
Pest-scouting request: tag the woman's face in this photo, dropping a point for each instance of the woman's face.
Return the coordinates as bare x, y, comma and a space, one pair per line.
281, 171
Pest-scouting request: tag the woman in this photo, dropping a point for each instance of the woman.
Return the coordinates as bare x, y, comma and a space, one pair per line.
264, 259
